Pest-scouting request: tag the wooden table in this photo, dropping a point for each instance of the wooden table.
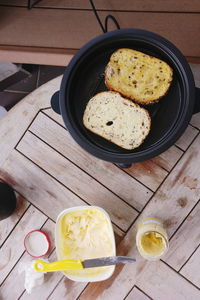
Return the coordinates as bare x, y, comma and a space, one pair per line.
50, 172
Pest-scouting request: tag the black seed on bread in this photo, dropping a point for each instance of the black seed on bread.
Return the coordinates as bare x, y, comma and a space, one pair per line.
117, 119
138, 76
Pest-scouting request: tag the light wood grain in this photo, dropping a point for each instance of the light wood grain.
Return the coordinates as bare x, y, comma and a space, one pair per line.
9, 253
161, 282
175, 202
168, 159
180, 191
195, 121
137, 295
108, 174
149, 173
154, 278
7, 225
54, 116
37, 186
23, 113
40, 188
191, 269
172, 203
184, 241
67, 289
187, 137
16, 280
76, 180
49, 228
142, 172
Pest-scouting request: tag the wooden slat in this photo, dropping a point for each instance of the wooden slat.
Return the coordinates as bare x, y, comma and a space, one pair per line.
49, 228
168, 159
76, 180
186, 239
7, 225
9, 253
187, 137
53, 115
165, 25
137, 295
48, 56
195, 121
161, 282
191, 269
16, 280
40, 22
108, 174
24, 112
37, 186
172, 203
7, 131
83, 27
148, 172
128, 5
36, 55
118, 237
67, 289
180, 191
154, 278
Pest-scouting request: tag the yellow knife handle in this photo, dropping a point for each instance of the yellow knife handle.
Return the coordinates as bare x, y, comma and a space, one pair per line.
61, 265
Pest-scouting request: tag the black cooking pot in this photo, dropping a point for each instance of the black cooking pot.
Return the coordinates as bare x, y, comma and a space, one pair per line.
84, 77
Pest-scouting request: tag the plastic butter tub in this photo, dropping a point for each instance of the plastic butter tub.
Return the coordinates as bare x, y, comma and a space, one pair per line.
152, 239
85, 232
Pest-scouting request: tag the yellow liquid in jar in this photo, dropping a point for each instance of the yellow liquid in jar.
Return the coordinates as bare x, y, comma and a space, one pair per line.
153, 243
151, 239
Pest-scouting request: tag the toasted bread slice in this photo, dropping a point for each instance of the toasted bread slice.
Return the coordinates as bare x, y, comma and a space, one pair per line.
138, 76
117, 119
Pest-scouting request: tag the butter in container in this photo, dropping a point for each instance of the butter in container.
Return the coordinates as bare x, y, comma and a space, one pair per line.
85, 232
151, 239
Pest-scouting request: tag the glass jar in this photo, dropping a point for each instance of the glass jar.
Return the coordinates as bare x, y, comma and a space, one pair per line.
151, 239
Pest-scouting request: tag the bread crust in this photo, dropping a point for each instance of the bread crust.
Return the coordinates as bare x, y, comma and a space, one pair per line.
112, 87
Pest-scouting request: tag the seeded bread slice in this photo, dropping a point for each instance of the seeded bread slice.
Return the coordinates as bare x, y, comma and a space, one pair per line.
138, 76
117, 119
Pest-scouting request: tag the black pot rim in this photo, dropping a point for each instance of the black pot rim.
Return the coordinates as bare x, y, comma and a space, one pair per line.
182, 121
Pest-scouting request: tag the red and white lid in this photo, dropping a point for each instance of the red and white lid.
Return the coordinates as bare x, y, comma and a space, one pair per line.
37, 243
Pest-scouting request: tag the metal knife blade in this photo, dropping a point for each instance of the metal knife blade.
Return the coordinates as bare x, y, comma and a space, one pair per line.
107, 261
